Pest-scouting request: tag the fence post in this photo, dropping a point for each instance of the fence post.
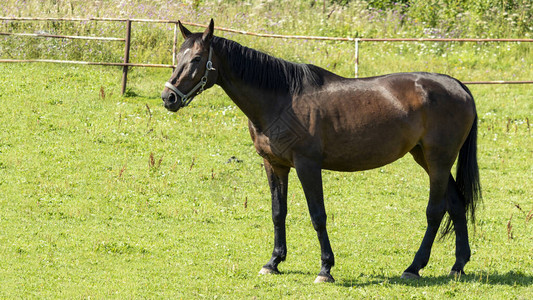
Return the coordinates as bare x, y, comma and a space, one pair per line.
356, 64
174, 45
126, 56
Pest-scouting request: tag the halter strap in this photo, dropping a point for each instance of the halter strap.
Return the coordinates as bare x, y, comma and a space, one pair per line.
198, 88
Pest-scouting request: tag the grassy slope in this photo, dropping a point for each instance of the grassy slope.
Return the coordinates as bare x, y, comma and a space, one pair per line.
85, 213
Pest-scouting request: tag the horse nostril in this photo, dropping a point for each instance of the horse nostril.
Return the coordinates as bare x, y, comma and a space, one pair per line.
172, 98
168, 97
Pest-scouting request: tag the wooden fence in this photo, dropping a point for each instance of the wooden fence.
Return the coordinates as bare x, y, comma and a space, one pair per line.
126, 63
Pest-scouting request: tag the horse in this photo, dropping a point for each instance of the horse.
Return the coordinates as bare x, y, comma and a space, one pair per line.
304, 117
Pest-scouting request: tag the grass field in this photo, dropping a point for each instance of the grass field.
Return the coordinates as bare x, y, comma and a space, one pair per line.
104, 196
109, 196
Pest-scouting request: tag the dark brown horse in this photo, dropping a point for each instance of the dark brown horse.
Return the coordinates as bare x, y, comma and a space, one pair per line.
304, 117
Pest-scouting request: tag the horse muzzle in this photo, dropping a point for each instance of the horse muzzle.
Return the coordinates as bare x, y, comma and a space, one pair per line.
171, 101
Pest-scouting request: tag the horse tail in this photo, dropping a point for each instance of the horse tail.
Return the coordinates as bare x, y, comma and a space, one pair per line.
467, 176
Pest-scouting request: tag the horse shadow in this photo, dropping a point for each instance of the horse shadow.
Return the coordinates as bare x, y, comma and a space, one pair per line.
498, 279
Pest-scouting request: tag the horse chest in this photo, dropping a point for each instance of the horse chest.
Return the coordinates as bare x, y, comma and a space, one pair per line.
276, 142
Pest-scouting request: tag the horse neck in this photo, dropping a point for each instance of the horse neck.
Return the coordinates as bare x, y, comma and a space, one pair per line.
259, 105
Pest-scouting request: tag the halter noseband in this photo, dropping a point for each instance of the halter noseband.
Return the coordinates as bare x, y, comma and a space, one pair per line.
198, 88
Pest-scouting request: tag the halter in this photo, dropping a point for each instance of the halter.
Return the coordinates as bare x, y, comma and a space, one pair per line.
198, 88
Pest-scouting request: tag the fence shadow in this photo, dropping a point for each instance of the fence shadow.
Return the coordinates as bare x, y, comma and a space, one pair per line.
510, 279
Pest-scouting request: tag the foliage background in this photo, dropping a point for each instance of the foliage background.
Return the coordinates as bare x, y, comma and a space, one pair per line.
355, 18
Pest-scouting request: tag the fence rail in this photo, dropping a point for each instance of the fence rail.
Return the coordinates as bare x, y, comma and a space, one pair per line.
64, 36
93, 63
127, 39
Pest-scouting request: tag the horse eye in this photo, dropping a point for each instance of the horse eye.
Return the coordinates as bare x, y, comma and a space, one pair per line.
196, 59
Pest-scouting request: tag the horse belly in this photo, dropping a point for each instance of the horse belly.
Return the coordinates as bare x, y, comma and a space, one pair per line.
371, 145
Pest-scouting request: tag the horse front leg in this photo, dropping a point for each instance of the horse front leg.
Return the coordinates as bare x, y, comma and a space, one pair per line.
278, 178
310, 175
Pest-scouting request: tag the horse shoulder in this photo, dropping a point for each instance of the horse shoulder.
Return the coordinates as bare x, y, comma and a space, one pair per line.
270, 149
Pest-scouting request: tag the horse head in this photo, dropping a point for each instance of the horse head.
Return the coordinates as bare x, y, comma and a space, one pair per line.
194, 70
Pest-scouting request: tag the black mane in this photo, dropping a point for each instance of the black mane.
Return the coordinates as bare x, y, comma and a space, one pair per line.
265, 71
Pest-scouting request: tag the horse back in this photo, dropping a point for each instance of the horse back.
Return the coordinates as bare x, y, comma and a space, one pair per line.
366, 123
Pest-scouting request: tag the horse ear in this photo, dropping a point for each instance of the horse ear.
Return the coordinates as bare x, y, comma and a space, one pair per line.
184, 31
208, 33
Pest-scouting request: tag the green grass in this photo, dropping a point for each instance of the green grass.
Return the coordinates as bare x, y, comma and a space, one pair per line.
104, 196
115, 197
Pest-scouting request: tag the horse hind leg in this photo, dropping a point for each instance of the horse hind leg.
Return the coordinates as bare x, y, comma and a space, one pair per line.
457, 212
438, 175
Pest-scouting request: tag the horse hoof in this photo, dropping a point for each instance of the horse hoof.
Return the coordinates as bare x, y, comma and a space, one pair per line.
321, 279
265, 271
456, 274
409, 275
